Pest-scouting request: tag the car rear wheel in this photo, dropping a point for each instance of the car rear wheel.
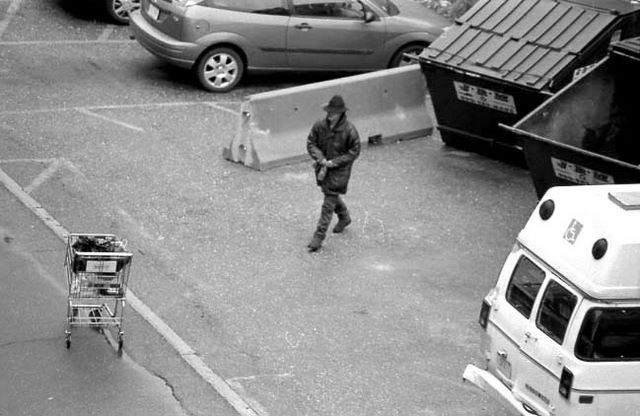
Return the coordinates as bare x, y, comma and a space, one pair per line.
399, 59
118, 10
220, 69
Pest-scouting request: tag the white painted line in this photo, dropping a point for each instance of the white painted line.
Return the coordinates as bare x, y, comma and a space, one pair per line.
109, 119
64, 42
11, 12
28, 160
185, 351
33, 205
105, 34
219, 107
43, 176
118, 106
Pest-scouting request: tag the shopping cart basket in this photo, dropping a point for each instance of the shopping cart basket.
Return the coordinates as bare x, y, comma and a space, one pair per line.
97, 268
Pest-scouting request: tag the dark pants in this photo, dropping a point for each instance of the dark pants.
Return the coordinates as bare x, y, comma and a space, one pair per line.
332, 203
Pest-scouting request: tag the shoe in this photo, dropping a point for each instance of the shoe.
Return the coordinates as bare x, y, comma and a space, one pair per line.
341, 225
315, 244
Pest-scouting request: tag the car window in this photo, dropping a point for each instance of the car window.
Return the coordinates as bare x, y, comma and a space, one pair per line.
250, 6
387, 6
556, 308
326, 8
610, 334
525, 283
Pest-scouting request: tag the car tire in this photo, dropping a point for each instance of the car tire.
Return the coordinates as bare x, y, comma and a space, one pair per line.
400, 60
219, 69
118, 10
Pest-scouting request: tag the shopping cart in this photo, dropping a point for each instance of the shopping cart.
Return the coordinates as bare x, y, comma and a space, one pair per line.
97, 268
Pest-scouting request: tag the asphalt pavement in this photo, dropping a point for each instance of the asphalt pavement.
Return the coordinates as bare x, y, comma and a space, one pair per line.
106, 138
87, 379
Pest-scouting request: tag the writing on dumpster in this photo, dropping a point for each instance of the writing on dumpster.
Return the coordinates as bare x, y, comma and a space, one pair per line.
579, 174
485, 97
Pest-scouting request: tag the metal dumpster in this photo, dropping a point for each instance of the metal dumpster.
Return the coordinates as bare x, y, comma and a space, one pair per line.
588, 133
503, 58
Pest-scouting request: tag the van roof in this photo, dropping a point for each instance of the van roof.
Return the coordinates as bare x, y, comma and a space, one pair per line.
571, 239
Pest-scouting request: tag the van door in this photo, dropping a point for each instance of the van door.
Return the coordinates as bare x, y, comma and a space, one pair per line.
511, 313
542, 345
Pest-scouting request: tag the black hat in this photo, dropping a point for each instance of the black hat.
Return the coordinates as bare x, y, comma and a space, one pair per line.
336, 105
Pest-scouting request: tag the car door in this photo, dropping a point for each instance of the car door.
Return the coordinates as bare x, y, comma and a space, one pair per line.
542, 345
333, 34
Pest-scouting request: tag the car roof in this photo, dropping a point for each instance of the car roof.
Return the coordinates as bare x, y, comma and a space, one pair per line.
583, 215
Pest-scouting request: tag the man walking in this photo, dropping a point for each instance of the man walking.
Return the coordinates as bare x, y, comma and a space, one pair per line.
333, 144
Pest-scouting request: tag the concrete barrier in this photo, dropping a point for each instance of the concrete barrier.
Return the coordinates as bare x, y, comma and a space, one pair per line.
385, 106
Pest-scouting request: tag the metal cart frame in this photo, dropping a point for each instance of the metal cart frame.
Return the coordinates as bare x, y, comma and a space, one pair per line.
97, 284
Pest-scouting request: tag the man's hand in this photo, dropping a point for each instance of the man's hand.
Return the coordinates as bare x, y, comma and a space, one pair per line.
330, 164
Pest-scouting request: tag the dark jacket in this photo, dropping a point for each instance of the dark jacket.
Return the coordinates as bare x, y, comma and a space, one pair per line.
340, 145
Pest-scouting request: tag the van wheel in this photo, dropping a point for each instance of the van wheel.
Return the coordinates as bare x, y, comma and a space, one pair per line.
220, 69
118, 10
400, 60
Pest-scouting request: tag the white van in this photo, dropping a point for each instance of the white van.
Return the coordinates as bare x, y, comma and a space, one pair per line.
563, 320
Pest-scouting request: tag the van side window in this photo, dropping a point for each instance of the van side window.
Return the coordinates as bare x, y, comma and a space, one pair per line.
524, 285
610, 334
555, 311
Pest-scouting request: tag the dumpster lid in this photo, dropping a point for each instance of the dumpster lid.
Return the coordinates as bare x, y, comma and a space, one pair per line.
525, 42
629, 48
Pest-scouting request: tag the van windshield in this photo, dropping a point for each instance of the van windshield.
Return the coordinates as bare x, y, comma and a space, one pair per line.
610, 334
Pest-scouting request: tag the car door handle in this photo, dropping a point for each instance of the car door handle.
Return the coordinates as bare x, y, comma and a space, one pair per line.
530, 337
303, 26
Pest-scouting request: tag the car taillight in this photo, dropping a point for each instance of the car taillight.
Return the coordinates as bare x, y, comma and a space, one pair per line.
566, 380
483, 320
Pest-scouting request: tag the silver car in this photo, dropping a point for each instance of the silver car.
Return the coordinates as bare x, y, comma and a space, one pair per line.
223, 39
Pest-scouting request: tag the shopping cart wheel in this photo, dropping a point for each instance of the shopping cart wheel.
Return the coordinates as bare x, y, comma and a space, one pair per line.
120, 343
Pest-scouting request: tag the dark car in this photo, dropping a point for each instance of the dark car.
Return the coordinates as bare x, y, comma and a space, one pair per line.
223, 39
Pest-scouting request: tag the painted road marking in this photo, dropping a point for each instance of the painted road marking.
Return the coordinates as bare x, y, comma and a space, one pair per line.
185, 351
43, 176
63, 42
105, 34
214, 104
110, 119
11, 12
217, 106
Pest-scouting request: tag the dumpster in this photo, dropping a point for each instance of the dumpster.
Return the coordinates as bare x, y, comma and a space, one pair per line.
588, 133
503, 58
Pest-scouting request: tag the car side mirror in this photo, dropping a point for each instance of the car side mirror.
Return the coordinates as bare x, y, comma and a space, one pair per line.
369, 16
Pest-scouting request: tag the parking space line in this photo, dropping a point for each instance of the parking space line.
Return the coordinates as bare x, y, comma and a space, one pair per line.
219, 107
185, 351
11, 12
214, 104
106, 33
63, 42
50, 160
43, 176
109, 119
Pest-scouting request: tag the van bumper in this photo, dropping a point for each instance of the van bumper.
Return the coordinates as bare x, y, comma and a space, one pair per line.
490, 384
